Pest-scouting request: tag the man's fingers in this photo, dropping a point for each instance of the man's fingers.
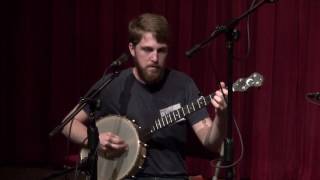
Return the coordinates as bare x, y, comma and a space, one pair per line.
223, 85
118, 146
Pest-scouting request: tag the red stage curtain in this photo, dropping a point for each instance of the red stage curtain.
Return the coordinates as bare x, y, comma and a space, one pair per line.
53, 51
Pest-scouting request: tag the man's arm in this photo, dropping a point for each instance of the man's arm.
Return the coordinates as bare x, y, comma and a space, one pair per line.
212, 133
78, 134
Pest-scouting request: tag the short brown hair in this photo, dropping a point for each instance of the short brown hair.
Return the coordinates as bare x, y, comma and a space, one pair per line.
156, 24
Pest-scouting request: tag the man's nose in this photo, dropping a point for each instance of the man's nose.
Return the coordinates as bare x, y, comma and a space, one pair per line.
154, 56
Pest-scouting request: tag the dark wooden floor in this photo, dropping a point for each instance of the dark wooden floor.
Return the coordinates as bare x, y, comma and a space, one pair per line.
34, 173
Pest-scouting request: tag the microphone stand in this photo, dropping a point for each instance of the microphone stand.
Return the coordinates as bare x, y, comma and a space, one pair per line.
90, 164
231, 35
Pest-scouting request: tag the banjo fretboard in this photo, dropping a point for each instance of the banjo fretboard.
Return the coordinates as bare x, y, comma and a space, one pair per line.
180, 113
242, 84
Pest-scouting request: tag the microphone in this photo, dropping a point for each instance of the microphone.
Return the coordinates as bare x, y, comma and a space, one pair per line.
272, 1
116, 63
314, 97
120, 60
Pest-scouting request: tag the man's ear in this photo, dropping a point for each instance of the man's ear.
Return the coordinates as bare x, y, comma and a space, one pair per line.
131, 49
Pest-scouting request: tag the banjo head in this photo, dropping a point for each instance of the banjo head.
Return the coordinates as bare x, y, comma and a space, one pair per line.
116, 167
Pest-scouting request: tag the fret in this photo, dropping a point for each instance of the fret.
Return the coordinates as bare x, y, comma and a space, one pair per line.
160, 120
165, 116
170, 117
193, 106
167, 122
198, 101
188, 109
204, 101
179, 114
156, 124
174, 116
184, 114
188, 112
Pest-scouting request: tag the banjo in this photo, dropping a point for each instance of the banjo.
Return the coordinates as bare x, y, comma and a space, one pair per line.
118, 166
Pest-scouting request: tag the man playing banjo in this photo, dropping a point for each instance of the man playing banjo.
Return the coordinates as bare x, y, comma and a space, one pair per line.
149, 90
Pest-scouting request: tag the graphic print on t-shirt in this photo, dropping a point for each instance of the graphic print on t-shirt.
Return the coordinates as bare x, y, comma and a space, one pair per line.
169, 109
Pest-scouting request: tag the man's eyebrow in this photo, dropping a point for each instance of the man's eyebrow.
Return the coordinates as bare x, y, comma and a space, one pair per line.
149, 47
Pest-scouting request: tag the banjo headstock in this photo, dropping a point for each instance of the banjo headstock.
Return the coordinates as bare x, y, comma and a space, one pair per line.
242, 84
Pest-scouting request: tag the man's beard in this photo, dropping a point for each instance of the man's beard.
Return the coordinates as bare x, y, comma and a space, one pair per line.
150, 76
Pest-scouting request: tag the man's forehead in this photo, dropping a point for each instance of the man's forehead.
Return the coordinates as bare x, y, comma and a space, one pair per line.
153, 46
148, 40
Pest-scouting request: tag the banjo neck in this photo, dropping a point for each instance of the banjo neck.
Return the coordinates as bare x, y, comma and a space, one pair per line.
241, 85
178, 114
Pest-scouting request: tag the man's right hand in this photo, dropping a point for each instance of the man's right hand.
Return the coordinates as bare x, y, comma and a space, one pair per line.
110, 142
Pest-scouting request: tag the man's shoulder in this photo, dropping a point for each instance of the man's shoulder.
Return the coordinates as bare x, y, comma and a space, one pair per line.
126, 72
124, 75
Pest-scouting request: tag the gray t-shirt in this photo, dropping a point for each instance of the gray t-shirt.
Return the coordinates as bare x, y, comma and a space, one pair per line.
127, 96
